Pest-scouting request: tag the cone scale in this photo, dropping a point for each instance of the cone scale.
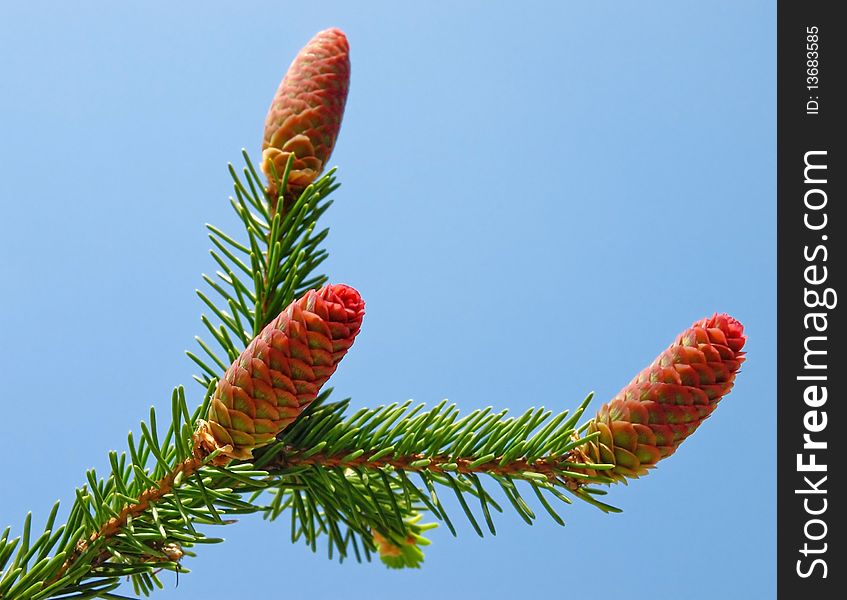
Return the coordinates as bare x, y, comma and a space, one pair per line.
305, 115
665, 403
280, 373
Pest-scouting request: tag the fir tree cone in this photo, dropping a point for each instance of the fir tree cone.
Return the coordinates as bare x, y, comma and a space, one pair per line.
280, 372
667, 401
305, 114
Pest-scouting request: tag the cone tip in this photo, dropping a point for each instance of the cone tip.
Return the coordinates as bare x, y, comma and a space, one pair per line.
331, 34
347, 295
732, 327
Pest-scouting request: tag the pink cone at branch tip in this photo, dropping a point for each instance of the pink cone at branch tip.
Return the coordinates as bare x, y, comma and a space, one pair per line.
667, 401
281, 372
305, 115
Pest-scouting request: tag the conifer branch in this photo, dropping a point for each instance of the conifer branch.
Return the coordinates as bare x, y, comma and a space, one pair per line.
346, 479
112, 527
361, 482
551, 469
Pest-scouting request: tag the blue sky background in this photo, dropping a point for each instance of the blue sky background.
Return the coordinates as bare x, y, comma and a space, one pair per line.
536, 199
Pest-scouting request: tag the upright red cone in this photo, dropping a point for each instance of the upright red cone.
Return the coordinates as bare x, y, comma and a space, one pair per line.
280, 372
668, 400
305, 114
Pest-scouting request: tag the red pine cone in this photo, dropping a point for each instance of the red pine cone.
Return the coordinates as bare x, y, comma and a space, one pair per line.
668, 400
281, 371
305, 114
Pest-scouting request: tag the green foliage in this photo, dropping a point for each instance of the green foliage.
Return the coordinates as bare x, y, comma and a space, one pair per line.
259, 278
358, 484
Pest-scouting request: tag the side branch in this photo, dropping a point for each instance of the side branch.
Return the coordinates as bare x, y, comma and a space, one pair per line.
113, 526
564, 469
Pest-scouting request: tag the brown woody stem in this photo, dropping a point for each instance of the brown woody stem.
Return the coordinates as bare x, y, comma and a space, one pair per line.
558, 469
111, 527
